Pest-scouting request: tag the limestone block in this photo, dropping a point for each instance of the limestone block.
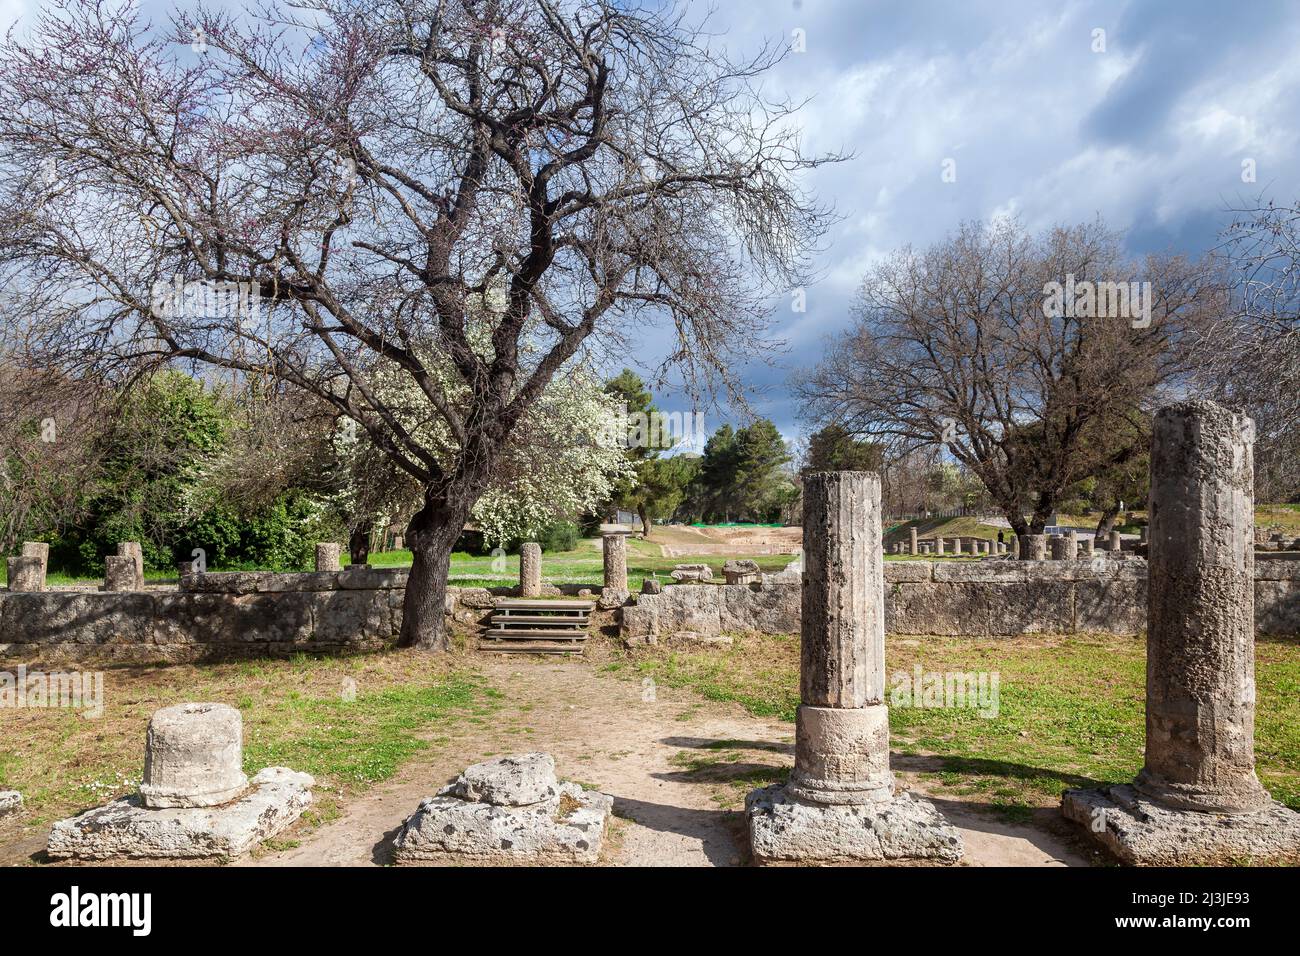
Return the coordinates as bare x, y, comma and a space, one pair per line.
11, 803
120, 573
328, 556
510, 781
26, 574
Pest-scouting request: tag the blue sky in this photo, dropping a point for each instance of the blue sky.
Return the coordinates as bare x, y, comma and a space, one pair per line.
1148, 128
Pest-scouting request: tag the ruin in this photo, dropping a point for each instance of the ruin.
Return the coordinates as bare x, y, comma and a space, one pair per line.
530, 569
133, 551
840, 802
194, 800
328, 556
511, 809
1197, 798
26, 574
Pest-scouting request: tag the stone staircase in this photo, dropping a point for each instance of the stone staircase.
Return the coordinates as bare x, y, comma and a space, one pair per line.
535, 626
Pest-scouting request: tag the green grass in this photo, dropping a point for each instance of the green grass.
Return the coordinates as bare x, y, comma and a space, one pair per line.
295, 714
1070, 709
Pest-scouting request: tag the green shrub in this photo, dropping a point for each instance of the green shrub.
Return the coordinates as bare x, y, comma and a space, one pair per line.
559, 536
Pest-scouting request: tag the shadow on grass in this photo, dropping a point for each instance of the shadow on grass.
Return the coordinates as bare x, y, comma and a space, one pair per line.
713, 743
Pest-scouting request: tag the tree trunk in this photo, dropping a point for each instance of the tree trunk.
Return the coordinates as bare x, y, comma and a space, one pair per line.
359, 544
1108, 520
431, 535
645, 520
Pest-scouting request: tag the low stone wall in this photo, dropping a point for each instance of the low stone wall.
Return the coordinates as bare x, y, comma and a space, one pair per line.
214, 616
959, 599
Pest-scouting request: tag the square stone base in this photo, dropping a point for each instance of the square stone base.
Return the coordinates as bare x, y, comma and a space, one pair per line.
566, 828
1141, 832
125, 829
783, 828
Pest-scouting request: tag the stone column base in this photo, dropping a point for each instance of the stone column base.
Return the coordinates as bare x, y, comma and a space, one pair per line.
1139, 831
783, 828
842, 755
124, 829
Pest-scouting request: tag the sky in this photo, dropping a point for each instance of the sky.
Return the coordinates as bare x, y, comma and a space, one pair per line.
1149, 113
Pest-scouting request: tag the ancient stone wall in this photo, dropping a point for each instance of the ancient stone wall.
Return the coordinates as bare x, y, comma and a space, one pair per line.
960, 599
256, 613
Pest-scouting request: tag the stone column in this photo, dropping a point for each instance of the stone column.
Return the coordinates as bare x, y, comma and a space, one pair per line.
1070, 546
132, 550
1085, 546
1114, 542
26, 573
1197, 798
38, 549
842, 725
956, 545
912, 533
840, 802
938, 545
193, 756
1033, 547
327, 556
530, 569
615, 551
120, 573
1200, 750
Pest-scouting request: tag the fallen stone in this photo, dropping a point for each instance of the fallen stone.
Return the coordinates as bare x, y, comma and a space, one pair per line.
611, 598
651, 586
568, 828
512, 781
11, 802
125, 828
1139, 831
785, 829
691, 572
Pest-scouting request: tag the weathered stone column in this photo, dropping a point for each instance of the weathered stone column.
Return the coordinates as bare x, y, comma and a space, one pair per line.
530, 569
938, 545
1200, 750
1033, 547
1085, 547
132, 550
1070, 546
1114, 542
1197, 797
842, 757
38, 549
956, 545
840, 801
615, 552
120, 573
193, 756
328, 554
26, 573
912, 535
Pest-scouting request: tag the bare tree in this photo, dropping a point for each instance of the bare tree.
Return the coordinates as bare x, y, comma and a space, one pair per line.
962, 348
1250, 356
369, 167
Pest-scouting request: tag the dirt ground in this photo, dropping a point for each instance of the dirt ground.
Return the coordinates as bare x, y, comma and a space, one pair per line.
680, 541
677, 766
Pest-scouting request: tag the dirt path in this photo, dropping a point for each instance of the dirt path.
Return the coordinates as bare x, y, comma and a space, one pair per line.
677, 766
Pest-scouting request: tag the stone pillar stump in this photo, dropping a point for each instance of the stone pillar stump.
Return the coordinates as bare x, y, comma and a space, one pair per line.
530, 569
193, 756
328, 556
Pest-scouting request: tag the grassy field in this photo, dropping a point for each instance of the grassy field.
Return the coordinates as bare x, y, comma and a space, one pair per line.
297, 713
1070, 709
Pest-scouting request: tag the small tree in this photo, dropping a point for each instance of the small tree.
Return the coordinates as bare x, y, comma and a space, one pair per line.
963, 348
360, 171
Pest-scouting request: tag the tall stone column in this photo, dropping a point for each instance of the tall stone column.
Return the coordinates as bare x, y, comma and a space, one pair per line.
912, 535
956, 545
615, 552
938, 545
1200, 751
1197, 797
530, 569
840, 801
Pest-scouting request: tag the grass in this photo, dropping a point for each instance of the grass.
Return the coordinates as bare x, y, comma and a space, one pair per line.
1070, 709
296, 714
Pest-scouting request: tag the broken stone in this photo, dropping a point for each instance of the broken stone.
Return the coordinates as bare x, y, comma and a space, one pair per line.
126, 828
651, 586
611, 598
11, 802
511, 781
691, 572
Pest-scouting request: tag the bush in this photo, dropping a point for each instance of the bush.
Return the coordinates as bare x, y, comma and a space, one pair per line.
559, 536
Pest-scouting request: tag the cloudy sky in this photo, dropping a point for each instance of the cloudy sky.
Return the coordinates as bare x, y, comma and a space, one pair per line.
1142, 111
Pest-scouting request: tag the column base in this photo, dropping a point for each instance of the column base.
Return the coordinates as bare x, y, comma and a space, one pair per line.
783, 828
1139, 831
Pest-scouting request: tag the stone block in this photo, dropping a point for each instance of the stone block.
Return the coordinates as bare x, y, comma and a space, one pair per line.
510, 781
193, 757
11, 803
